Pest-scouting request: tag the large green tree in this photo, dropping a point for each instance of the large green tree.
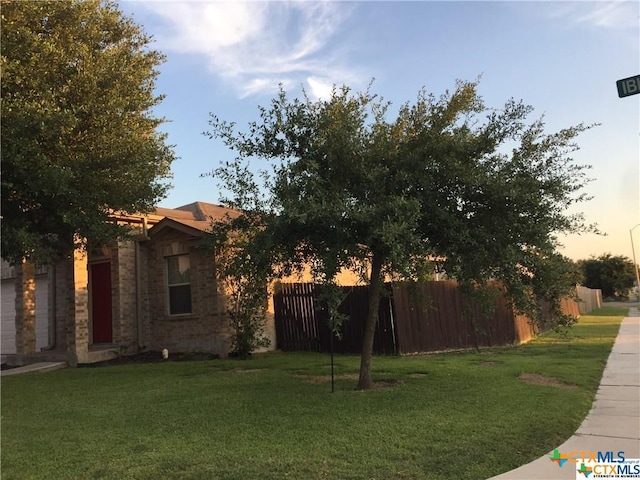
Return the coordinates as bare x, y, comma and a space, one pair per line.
79, 137
481, 189
613, 274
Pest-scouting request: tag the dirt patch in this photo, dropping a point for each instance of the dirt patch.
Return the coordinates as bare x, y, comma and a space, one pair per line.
316, 379
489, 363
417, 375
246, 370
321, 379
536, 379
387, 384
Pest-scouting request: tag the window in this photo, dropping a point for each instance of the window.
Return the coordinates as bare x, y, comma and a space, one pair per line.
179, 284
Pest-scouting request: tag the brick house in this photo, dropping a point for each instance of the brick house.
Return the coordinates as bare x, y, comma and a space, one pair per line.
157, 290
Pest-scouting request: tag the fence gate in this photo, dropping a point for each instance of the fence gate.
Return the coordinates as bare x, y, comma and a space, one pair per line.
295, 317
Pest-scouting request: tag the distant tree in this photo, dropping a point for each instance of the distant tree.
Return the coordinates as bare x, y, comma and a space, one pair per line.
447, 178
614, 275
79, 137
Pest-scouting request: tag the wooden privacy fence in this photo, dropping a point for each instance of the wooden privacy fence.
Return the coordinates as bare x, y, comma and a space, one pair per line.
429, 317
302, 323
413, 318
588, 299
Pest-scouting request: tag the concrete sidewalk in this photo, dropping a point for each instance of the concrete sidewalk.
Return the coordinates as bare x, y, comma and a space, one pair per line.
613, 424
34, 367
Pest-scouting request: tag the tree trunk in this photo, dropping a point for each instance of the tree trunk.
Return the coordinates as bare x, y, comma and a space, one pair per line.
375, 289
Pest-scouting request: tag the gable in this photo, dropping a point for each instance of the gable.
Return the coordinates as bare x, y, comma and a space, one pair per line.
190, 228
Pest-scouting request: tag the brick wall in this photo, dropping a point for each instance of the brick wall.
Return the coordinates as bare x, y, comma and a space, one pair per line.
72, 298
144, 305
124, 290
8, 271
81, 317
25, 308
62, 281
207, 328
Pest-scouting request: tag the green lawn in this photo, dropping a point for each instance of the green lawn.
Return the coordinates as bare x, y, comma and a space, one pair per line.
464, 415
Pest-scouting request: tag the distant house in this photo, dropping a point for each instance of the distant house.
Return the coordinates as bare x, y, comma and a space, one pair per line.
157, 290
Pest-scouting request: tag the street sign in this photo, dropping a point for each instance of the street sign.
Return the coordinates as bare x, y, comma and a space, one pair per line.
628, 86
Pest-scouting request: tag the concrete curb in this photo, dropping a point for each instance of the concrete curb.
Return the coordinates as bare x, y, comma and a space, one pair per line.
613, 424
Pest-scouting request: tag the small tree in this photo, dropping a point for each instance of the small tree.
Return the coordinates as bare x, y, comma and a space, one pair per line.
79, 138
446, 178
244, 274
614, 275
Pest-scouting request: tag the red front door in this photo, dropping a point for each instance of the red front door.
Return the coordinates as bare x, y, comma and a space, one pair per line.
101, 302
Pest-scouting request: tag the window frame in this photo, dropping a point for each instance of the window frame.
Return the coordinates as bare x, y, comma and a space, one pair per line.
169, 286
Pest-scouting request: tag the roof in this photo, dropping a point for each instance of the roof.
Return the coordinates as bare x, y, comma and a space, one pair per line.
194, 218
207, 211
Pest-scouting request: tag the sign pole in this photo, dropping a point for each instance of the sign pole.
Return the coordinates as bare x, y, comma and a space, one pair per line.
635, 265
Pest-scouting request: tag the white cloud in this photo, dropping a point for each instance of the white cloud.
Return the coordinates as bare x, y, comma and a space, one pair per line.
612, 14
618, 14
320, 87
254, 46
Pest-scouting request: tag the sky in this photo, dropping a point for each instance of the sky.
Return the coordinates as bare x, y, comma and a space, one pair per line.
562, 58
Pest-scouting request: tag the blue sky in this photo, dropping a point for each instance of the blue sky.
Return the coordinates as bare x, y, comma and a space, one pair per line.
563, 58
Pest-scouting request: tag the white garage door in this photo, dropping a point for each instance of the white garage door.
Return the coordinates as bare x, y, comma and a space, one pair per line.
8, 313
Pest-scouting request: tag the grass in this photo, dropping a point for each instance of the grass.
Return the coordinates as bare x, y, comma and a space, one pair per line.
610, 311
463, 415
